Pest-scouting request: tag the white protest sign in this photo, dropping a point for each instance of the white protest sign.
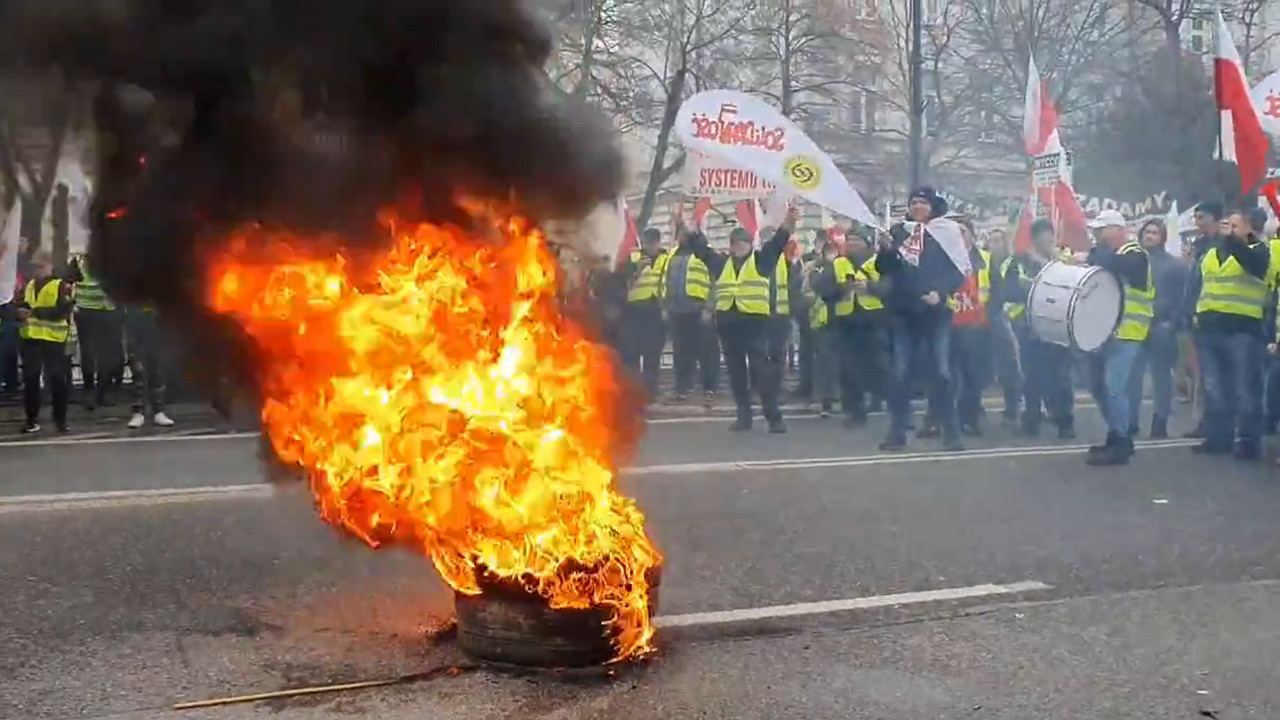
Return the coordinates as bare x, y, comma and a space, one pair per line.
1046, 170
705, 176
747, 133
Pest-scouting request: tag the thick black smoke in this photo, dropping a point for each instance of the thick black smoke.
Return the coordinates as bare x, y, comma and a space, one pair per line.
201, 105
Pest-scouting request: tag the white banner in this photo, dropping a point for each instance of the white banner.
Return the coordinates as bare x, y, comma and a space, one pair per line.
705, 176
745, 132
9, 252
1266, 98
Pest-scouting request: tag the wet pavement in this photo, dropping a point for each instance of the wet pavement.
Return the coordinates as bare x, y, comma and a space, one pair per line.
1009, 581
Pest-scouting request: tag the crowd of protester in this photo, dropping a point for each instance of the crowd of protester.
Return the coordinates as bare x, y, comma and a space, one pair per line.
884, 317
58, 320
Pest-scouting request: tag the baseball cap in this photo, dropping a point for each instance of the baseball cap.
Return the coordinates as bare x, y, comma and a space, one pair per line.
1108, 218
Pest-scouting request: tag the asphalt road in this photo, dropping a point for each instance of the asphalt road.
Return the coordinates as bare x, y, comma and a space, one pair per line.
140, 572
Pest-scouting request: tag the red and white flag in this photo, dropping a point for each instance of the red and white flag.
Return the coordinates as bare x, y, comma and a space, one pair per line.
1039, 117
1241, 136
701, 214
1041, 137
750, 217
630, 240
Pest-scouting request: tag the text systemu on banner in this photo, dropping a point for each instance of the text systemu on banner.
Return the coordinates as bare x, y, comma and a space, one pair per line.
741, 131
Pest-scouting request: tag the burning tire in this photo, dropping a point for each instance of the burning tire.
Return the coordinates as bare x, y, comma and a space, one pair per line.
511, 626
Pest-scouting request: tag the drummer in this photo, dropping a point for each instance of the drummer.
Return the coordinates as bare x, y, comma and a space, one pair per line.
1046, 367
1112, 366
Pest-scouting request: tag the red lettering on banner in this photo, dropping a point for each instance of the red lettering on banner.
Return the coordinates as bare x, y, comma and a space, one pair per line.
1273, 105
727, 131
727, 179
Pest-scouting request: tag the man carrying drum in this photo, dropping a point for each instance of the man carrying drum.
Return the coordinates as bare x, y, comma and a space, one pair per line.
1046, 367
1112, 366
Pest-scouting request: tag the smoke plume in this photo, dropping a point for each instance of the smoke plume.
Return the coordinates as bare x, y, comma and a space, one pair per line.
205, 108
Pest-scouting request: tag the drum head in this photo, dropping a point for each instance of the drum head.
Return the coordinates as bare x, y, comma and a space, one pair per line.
1096, 310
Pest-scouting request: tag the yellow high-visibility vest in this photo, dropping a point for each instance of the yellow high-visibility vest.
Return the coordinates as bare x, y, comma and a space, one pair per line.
697, 278
89, 293
1139, 305
1273, 263
844, 270
780, 287
38, 329
984, 282
871, 271
648, 284
747, 291
1012, 310
818, 314
1227, 288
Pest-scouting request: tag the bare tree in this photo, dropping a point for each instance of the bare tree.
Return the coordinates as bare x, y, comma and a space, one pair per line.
953, 95
800, 56
36, 115
677, 45
591, 63
1257, 33
1075, 45
1171, 15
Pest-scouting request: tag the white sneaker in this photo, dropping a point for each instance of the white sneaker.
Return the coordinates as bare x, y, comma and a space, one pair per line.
137, 421
162, 420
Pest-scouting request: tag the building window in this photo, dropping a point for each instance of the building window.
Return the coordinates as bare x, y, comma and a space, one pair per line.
862, 111
1197, 43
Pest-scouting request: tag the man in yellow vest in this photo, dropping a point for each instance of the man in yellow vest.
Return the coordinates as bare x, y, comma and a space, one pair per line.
45, 312
743, 318
686, 292
1230, 289
99, 329
644, 333
1046, 368
853, 293
1160, 351
1112, 366
826, 371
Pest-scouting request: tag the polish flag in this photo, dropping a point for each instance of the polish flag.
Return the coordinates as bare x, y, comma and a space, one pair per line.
749, 217
1241, 136
1040, 136
701, 213
1039, 117
630, 240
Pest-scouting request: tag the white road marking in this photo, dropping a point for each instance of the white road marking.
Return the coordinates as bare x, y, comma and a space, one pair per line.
93, 440
880, 459
156, 496
131, 498
723, 617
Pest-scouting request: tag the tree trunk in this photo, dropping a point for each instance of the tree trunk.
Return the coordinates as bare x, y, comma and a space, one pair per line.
658, 171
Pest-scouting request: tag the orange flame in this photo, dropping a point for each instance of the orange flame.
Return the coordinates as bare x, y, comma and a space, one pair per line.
447, 404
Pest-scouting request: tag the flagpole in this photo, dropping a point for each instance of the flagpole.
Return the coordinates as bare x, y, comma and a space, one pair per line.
1213, 82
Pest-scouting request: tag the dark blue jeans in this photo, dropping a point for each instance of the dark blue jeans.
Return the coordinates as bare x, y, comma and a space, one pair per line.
927, 335
1232, 368
1159, 355
1047, 383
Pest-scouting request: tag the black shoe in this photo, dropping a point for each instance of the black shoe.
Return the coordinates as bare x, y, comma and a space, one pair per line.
952, 443
1159, 428
1067, 432
1247, 451
30, 427
1104, 447
877, 405
777, 427
928, 431
90, 404
894, 441
1115, 454
1210, 448
1197, 434
1135, 430
681, 397
971, 430
63, 429
740, 425
708, 398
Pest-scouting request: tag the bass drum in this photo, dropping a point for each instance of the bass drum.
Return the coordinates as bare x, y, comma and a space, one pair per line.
1074, 306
